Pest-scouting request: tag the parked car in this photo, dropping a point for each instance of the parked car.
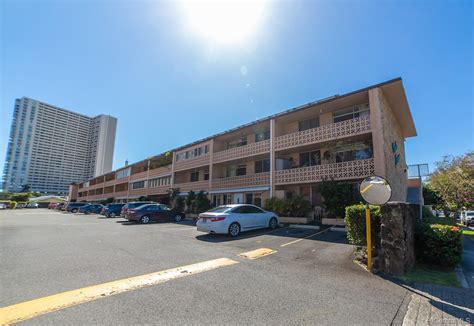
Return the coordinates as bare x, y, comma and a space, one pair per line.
233, 219
74, 207
52, 205
112, 210
3, 206
134, 204
32, 205
91, 208
20, 205
468, 218
59, 206
153, 212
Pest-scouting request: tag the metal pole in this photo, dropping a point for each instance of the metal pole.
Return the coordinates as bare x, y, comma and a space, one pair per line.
369, 237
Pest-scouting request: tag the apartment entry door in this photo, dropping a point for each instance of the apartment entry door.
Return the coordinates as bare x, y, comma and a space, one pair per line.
239, 198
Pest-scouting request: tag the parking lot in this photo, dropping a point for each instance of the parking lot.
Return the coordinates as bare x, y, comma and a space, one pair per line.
285, 275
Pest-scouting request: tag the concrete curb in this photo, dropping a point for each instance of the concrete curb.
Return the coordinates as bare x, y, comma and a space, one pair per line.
304, 226
461, 277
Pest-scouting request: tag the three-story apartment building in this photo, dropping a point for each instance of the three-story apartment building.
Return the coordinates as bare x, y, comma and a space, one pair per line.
344, 137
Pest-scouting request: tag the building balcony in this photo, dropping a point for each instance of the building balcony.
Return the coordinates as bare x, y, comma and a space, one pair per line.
192, 163
161, 171
260, 147
194, 186
328, 132
249, 180
338, 171
159, 190
139, 176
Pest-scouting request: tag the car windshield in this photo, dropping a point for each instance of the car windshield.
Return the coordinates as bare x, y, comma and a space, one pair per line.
219, 209
470, 214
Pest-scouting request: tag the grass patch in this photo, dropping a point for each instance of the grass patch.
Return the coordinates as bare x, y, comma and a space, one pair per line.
468, 233
425, 274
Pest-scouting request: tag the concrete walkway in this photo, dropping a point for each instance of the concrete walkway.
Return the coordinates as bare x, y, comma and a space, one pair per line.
468, 261
439, 305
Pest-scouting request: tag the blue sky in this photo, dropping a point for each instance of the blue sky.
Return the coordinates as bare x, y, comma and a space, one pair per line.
168, 86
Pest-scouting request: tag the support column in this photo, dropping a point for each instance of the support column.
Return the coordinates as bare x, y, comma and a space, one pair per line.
272, 158
172, 169
211, 164
377, 134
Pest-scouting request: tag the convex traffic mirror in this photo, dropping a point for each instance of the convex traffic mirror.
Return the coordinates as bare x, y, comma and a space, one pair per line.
375, 190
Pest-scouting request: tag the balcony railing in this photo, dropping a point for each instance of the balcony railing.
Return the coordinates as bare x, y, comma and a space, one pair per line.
324, 133
242, 151
337, 171
191, 163
194, 186
249, 180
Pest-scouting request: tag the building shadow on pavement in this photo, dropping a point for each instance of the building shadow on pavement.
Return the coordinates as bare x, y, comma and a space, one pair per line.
286, 232
433, 304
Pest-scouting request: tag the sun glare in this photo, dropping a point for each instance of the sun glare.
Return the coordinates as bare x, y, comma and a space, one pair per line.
224, 21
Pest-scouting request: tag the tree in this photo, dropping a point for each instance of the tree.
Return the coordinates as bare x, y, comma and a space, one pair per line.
20, 197
190, 201
453, 181
431, 197
337, 196
25, 188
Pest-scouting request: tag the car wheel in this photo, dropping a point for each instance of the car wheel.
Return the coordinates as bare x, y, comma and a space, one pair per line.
178, 218
145, 219
112, 214
234, 229
86, 212
273, 224
73, 210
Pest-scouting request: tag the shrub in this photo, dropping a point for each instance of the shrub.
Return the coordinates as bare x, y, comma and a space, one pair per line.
355, 225
337, 195
179, 203
201, 203
190, 198
12, 204
439, 244
298, 206
276, 205
294, 207
426, 213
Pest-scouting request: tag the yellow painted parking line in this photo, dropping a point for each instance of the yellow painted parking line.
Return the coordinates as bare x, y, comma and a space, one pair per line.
29, 309
309, 236
258, 253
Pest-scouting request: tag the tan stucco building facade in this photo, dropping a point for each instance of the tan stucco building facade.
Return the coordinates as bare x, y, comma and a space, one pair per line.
344, 137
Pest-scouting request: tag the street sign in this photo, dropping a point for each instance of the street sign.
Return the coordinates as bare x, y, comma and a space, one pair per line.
376, 191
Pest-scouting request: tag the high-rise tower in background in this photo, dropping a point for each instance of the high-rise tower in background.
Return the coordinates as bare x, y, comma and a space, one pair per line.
50, 147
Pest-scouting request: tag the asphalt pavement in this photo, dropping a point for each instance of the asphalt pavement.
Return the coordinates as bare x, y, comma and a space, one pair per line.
302, 281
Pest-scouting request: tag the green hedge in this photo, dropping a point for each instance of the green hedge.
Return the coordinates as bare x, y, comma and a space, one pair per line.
355, 225
439, 244
296, 206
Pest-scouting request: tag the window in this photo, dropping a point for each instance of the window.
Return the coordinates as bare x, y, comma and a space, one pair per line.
262, 135
262, 166
236, 170
164, 207
123, 173
206, 174
138, 185
242, 141
351, 113
308, 124
310, 158
253, 209
356, 151
194, 176
195, 152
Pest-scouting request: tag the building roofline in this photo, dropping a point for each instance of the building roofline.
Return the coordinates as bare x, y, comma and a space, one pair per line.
276, 115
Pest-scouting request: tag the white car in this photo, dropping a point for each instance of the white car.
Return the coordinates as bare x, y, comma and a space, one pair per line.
233, 219
3, 206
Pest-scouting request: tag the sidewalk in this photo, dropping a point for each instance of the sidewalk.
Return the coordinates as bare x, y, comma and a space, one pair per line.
468, 261
439, 305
